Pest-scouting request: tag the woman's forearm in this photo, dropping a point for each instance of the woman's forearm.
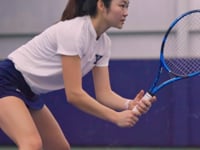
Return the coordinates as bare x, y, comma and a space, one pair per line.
86, 103
112, 100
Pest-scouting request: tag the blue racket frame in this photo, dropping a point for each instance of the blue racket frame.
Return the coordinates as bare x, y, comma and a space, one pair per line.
155, 88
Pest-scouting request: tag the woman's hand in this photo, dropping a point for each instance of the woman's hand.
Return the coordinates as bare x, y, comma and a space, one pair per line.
129, 118
126, 118
142, 105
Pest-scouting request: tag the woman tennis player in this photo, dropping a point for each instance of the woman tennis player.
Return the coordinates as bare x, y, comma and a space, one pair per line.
58, 58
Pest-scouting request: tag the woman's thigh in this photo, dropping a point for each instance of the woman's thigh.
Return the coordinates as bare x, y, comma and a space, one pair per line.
16, 121
50, 131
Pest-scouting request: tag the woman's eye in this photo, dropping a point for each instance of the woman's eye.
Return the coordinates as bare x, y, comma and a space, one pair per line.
124, 5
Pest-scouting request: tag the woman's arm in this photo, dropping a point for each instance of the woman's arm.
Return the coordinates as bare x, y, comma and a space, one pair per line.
106, 96
103, 91
78, 97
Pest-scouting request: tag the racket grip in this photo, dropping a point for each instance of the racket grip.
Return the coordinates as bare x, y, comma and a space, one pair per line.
146, 97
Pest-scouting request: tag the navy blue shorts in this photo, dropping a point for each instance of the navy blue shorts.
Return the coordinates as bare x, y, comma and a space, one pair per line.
12, 83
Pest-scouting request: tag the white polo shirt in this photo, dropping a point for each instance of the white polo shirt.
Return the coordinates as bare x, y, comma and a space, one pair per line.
39, 60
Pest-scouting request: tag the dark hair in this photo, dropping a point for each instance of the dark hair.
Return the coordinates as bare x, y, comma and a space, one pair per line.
77, 8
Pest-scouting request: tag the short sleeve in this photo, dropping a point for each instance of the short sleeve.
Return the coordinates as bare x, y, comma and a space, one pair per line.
68, 39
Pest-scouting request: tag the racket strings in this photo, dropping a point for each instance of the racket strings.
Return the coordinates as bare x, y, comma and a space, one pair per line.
183, 67
181, 52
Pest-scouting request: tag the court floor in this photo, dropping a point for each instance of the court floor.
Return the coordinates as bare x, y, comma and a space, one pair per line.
122, 148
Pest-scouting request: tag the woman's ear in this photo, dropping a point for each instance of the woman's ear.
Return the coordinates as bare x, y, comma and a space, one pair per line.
100, 5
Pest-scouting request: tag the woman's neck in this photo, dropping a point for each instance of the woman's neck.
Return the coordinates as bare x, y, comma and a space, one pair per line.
99, 25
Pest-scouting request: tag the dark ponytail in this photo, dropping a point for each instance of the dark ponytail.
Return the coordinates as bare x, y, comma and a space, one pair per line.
77, 8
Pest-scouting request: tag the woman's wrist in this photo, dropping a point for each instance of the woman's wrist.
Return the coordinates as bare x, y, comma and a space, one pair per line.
126, 104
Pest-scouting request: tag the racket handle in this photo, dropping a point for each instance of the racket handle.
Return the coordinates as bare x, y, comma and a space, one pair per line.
146, 97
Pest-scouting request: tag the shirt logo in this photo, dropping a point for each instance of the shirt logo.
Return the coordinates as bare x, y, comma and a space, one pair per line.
98, 57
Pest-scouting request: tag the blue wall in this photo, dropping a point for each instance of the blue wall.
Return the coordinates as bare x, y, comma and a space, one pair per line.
174, 119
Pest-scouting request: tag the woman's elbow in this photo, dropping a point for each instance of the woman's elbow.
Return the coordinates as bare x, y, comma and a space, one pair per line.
73, 96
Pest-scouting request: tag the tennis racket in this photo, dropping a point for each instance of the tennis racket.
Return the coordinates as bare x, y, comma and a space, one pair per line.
180, 52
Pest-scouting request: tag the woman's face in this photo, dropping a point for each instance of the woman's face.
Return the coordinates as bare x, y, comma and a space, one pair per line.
117, 13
